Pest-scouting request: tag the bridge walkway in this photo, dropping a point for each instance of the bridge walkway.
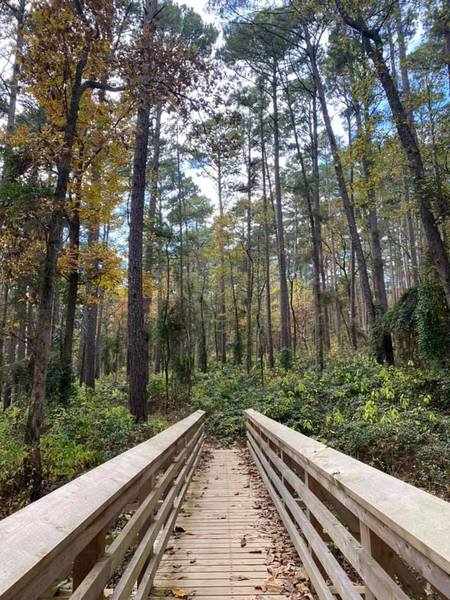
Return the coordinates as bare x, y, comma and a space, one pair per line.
219, 549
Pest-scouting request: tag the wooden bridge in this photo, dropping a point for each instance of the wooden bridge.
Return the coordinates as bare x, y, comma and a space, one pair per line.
161, 520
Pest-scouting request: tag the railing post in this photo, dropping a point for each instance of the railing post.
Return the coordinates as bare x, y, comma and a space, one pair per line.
366, 542
87, 558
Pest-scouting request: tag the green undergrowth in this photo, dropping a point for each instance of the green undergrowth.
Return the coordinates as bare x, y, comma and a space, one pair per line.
92, 428
396, 419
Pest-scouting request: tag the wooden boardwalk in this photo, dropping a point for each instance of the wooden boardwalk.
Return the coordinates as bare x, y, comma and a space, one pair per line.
243, 524
217, 551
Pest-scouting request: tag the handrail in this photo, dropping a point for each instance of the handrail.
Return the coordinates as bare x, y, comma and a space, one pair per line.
395, 537
63, 534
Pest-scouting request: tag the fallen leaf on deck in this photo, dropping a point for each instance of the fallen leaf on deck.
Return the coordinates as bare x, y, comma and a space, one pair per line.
272, 585
179, 593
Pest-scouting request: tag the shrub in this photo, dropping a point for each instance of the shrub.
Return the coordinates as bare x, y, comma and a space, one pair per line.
92, 428
396, 419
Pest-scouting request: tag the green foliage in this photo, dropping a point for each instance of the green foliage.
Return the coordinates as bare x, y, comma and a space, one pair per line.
396, 419
12, 450
286, 358
156, 389
420, 322
433, 323
91, 429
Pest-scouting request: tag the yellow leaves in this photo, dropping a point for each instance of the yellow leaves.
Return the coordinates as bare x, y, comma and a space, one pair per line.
148, 285
68, 261
179, 593
97, 264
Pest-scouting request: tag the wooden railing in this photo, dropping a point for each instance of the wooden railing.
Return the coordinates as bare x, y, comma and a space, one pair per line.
358, 531
63, 535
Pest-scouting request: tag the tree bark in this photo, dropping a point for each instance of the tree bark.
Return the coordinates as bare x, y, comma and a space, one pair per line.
425, 196
72, 296
385, 346
221, 318
285, 339
90, 337
237, 331
137, 335
348, 206
42, 340
266, 247
19, 14
249, 259
315, 231
3, 322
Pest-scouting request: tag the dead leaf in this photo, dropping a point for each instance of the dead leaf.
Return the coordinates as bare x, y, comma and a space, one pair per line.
179, 593
272, 585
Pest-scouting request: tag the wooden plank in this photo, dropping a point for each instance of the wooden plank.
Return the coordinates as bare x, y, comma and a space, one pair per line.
332, 567
86, 560
145, 547
208, 557
317, 580
41, 540
420, 518
358, 555
146, 582
98, 576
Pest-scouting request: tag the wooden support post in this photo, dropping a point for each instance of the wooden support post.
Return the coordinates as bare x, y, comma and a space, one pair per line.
366, 542
143, 494
397, 569
84, 562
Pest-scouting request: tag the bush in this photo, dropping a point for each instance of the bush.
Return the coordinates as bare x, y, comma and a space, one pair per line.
396, 419
91, 429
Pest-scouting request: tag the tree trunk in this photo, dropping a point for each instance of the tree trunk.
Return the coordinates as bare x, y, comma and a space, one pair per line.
14, 88
353, 313
222, 322
284, 293
91, 319
266, 247
202, 352
312, 199
249, 260
385, 346
237, 332
425, 196
348, 206
72, 296
137, 335
3, 322
42, 340
11, 359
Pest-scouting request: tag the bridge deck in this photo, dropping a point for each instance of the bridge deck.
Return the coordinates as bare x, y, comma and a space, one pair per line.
219, 549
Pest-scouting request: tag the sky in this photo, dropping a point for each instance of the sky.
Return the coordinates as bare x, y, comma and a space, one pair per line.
206, 184
200, 7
